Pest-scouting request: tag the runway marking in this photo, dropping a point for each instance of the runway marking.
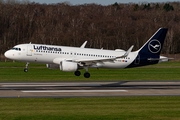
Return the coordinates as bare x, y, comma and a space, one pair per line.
30, 85
72, 91
57, 85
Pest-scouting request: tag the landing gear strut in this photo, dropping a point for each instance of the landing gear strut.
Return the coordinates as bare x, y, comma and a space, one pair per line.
26, 68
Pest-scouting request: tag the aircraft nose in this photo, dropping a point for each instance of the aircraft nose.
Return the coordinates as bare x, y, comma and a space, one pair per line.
7, 54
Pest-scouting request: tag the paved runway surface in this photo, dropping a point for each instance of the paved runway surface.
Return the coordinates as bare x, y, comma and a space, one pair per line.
87, 89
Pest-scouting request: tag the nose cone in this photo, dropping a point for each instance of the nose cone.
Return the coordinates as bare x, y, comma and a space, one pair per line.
7, 54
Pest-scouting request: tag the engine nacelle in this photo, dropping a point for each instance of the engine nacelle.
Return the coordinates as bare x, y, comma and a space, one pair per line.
52, 66
68, 66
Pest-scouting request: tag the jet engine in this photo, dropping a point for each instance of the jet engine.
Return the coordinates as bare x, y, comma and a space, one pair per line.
68, 66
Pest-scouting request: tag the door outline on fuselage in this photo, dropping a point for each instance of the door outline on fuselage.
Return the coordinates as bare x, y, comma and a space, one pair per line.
29, 50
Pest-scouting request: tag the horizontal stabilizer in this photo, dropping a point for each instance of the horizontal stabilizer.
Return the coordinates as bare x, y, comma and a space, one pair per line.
161, 59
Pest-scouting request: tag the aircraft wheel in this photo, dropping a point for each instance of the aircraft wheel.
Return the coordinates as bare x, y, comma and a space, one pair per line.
77, 73
25, 70
86, 75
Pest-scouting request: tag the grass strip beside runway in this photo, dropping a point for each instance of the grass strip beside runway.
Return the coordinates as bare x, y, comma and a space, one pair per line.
124, 108
13, 72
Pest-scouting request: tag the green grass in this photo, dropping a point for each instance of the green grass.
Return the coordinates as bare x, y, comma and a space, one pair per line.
108, 108
13, 72
121, 108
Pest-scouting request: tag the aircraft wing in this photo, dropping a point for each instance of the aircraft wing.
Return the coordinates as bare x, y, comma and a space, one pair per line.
86, 62
93, 61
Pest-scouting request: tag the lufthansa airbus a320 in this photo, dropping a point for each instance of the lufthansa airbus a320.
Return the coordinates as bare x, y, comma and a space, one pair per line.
72, 59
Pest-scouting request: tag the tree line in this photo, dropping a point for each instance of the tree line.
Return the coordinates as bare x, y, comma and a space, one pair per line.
109, 27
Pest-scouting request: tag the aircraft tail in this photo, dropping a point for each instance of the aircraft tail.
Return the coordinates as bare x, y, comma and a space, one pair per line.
149, 53
154, 45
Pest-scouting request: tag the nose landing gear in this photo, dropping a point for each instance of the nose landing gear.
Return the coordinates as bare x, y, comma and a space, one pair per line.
26, 68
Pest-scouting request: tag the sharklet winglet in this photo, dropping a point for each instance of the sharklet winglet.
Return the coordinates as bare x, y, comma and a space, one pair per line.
127, 52
84, 44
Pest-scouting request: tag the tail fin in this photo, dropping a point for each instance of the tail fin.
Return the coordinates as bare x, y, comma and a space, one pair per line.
149, 53
152, 48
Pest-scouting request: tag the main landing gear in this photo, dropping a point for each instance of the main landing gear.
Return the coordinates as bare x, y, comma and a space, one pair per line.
26, 68
77, 73
86, 74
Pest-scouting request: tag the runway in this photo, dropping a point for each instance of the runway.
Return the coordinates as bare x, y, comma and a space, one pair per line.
90, 89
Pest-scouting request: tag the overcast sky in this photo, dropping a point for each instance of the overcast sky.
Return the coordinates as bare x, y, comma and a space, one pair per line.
103, 2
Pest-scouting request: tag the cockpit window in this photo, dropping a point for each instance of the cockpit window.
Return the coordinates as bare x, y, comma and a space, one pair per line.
17, 49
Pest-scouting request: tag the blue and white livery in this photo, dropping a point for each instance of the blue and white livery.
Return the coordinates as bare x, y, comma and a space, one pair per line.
72, 59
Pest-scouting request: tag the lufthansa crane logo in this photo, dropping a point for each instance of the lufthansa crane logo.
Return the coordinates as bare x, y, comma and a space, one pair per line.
154, 46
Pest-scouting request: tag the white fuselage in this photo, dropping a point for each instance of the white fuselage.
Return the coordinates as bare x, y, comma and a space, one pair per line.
51, 54
71, 59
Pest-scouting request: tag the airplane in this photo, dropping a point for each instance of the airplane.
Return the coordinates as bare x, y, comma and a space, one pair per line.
73, 59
